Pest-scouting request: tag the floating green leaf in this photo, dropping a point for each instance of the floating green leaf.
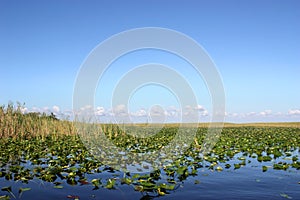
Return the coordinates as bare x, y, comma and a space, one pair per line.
110, 184
58, 186
4, 197
285, 196
264, 168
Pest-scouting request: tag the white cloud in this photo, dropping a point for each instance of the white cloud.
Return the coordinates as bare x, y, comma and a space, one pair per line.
35, 109
294, 112
56, 109
251, 114
23, 110
204, 113
172, 111
68, 113
278, 114
46, 108
157, 111
265, 113
234, 114
140, 113
199, 108
169, 114
86, 107
100, 111
120, 110
157, 114
188, 110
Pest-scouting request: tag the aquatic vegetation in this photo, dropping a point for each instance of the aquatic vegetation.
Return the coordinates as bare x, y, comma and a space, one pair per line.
39, 147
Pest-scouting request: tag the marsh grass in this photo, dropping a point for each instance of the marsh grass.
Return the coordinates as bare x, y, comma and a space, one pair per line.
16, 125
37, 145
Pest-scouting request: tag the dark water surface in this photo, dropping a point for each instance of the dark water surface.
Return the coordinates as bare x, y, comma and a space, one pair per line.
248, 182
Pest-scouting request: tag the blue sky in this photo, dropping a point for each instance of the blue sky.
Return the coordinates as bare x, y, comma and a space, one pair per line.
254, 44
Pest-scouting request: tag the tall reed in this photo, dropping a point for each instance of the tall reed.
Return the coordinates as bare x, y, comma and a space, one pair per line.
16, 125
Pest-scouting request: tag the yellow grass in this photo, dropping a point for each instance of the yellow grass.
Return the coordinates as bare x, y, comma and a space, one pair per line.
14, 124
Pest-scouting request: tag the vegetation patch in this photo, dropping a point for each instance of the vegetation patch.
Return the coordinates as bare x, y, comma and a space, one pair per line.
39, 146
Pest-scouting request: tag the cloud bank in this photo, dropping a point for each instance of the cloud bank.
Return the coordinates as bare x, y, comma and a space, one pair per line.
168, 114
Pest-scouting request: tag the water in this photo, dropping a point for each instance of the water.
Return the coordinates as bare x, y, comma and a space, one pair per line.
248, 182
244, 183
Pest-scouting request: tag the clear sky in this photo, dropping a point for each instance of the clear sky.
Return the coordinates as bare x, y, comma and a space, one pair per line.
254, 44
